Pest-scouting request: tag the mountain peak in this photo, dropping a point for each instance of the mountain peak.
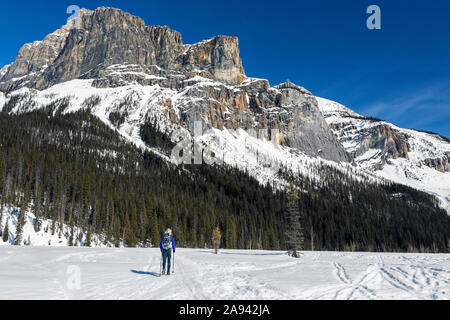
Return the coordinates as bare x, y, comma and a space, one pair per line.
108, 36
289, 85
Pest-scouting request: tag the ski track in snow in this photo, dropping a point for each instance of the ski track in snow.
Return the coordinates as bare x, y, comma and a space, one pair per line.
109, 273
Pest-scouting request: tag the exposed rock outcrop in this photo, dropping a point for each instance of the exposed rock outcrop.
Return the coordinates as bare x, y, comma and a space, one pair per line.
439, 164
4, 70
290, 109
219, 56
107, 37
35, 56
391, 143
306, 127
32, 60
373, 142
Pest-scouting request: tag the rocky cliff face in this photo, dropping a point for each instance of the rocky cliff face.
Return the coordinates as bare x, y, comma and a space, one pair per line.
4, 70
108, 36
115, 49
306, 127
391, 143
361, 135
441, 164
219, 56
32, 60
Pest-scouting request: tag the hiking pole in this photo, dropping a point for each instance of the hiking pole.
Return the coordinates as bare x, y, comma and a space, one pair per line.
173, 263
160, 265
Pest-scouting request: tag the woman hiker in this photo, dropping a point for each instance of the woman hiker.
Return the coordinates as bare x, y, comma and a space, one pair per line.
166, 245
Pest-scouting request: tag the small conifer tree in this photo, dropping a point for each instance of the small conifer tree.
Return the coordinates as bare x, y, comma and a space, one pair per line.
6, 231
217, 235
294, 230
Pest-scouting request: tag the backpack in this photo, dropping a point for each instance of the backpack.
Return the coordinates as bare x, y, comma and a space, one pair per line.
167, 241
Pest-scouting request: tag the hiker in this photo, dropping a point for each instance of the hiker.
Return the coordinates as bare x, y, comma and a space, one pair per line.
166, 245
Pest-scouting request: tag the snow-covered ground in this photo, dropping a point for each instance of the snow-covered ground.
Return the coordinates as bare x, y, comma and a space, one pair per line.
108, 273
47, 235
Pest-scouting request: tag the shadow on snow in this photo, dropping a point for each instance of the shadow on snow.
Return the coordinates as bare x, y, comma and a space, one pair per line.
146, 273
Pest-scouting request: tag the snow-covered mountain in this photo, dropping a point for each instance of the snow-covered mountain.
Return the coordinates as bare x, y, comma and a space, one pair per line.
127, 73
411, 157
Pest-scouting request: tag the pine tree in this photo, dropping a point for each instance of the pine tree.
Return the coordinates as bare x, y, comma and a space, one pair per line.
88, 237
6, 231
72, 231
129, 236
154, 229
53, 228
217, 235
19, 228
117, 232
294, 230
1, 221
37, 201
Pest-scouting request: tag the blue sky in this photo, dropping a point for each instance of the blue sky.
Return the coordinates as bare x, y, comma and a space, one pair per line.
400, 73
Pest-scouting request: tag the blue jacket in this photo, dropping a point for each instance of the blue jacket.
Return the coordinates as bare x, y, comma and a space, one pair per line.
173, 243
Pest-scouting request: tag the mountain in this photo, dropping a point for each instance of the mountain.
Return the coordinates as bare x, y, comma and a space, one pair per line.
415, 158
117, 100
116, 48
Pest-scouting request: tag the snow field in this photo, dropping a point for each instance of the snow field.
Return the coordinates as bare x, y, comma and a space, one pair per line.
109, 273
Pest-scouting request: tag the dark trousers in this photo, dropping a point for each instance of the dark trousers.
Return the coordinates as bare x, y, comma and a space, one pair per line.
167, 257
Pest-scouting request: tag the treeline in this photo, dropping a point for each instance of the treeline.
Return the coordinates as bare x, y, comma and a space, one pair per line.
75, 170
347, 214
